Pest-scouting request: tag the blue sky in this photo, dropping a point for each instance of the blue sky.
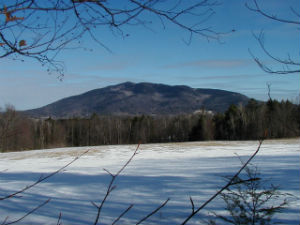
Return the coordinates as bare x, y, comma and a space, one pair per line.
161, 56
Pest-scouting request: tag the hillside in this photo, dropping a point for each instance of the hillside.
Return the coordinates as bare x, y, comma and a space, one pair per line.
141, 98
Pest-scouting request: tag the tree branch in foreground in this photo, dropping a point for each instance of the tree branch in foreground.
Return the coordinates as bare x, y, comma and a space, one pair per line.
229, 183
153, 212
289, 65
42, 178
110, 187
41, 29
122, 214
27, 214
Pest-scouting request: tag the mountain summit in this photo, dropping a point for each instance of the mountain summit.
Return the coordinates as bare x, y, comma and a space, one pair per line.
141, 98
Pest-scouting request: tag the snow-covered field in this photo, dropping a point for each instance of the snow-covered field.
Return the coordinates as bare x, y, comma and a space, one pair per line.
160, 171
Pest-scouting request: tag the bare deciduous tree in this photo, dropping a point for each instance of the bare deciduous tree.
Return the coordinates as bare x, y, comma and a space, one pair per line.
41, 29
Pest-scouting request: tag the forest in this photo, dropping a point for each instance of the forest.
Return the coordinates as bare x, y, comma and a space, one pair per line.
271, 119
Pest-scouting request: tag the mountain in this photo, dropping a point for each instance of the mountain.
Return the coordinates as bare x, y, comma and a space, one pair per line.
141, 98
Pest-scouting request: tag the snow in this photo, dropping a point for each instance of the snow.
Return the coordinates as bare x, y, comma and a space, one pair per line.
158, 172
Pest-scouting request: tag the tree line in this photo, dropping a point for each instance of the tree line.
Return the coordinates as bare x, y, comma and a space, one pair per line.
271, 119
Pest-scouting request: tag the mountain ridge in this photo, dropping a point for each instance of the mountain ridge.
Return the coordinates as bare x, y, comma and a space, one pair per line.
140, 98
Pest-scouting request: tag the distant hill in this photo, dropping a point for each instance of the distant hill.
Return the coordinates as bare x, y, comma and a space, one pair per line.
141, 98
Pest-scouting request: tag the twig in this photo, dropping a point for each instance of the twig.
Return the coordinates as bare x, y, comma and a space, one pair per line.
59, 219
193, 205
6, 218
257, 9
67, 21
28, 213
153, 212
229, 183
110, 187
245, 181
122, 214
289, 65
41, 179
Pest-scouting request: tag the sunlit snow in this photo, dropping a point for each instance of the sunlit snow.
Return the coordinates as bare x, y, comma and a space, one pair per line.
160, 171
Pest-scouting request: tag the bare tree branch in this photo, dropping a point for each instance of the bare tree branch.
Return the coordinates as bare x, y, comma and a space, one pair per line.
229, 183
122, 214
153, 212
256, 8
193, 205
286, 63
111, 186
289, 65
42, 178
59, 219
27, 214
41, 29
